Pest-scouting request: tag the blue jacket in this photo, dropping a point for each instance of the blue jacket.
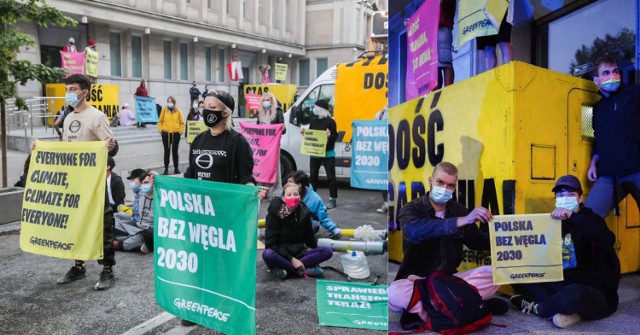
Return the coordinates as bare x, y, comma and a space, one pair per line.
318, 209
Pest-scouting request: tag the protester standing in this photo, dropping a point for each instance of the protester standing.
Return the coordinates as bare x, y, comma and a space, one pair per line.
70, 46
171, 126
270, 113
142, 91
322, 120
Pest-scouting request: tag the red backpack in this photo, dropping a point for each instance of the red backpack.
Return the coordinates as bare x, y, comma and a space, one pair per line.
453, 306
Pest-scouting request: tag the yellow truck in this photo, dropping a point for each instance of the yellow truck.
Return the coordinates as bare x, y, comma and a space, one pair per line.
355, 91
512, 132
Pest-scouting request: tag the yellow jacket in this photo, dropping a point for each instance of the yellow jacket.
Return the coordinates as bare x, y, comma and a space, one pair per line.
171, 122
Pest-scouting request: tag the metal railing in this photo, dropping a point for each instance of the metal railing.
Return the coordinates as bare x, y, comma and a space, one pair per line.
39, 109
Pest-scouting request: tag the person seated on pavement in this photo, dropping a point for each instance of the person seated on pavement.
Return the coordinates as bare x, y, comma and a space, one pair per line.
435, 227
319, 214
590, 264
115, 186
291, 246
131, 213
128, 233
126, 117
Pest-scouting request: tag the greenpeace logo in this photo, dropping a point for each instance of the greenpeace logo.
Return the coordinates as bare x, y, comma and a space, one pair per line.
370, 323
209, 311
528, 275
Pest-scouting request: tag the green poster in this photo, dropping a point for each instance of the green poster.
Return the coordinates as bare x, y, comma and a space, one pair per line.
352, 305
205, 252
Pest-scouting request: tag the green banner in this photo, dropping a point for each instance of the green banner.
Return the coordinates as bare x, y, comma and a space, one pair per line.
205, 252
352, 305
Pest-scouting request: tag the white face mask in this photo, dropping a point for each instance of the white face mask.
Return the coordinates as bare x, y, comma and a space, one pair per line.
568, 203
195, 106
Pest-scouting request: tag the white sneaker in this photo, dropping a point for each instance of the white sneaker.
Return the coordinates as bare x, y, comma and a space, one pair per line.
564, 320
144, 249
382, 209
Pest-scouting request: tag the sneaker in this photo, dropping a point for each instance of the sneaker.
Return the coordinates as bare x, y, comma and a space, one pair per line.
73, 274
527, 307
497, 306
314, 272
280, 273
332, 203
564, 320
382, 209
106, 280
187, 323
144, 249
166, 172
176, 171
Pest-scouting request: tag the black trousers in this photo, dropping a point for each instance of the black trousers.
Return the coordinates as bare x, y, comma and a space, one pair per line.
329, 164
170, 141
563, 298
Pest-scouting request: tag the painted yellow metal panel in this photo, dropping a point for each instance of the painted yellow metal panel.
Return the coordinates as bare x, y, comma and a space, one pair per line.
511, 132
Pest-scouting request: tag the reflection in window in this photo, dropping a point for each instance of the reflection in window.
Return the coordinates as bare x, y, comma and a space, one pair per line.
587, 125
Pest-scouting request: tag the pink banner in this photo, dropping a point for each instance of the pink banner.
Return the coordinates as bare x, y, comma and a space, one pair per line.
422, 50
73, 62
265, 144
253, 101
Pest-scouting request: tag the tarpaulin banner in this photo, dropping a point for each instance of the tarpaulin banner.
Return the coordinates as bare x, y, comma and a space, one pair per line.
146, 109
205, 252
525, 248
73, 62
352, 305
422, 50
281, 71
473, 20
264, 141
284, 93
91, 66
314, 143
194, 128
63, 203
370, 152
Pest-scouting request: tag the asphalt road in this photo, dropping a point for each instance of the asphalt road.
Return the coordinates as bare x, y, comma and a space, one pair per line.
32, 303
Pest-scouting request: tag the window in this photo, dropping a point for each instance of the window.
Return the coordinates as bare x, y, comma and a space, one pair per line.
167, 59
184, 61
321, 66
209, 4
323, 92
116, 62
207, 63
244, 9
189, 2
136, 56
221, 65
228, 7
303, 72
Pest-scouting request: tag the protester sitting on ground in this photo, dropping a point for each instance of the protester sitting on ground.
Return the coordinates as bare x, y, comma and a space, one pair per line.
115, 186
435, 227
128, 232
291, 246
591, 267
22, 182
319, 214
131, 213
126, 116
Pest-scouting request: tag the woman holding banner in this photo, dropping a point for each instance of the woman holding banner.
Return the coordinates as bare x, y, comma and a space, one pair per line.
322, 120
142, 91
220, 154
291, 245
171, 126
271, 113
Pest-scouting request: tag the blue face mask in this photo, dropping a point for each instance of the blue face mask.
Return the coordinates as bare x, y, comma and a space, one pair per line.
568, 203
134, 187
266, 104
170, 105
72, 99
145, 188
440, 195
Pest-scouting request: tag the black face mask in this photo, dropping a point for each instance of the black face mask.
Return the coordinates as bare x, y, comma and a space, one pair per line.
211, 117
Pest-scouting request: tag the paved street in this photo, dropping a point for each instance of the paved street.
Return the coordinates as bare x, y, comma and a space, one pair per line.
32, 303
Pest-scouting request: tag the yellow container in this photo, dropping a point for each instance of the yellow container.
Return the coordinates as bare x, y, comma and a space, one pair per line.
512, 132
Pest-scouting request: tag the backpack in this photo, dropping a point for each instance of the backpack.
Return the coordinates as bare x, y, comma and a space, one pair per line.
453, 306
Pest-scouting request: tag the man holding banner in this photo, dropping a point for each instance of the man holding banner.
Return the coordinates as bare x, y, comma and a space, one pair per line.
434, 229
591, 266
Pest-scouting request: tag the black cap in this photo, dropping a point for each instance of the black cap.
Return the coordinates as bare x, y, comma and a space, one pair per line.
224, 97
135, 173
323, 103
570, 182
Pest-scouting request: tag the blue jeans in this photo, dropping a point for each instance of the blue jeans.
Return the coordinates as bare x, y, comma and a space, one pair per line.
601, 196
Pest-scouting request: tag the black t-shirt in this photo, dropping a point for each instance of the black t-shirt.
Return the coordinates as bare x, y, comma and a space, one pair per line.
211, 163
